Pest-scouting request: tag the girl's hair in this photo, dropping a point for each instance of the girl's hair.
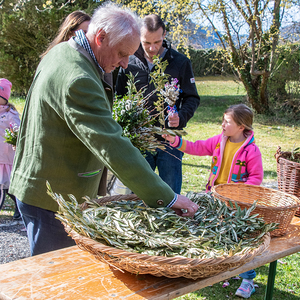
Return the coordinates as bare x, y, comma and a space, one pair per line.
241, 115
68, 27
118, 23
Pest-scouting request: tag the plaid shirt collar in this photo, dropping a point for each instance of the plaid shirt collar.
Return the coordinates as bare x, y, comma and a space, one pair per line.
83, 42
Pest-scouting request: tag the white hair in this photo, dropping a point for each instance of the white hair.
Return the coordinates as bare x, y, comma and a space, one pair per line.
118, 23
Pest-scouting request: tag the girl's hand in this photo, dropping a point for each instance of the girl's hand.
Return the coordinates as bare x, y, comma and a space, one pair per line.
169, 138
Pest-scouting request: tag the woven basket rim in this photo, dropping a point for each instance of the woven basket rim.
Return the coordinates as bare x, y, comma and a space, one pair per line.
243, 185
279, 156
176, 260
290, 161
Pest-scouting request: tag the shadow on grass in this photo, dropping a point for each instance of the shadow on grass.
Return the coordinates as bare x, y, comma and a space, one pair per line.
215, 78
197, 166
211, 110
270, 174
7, 209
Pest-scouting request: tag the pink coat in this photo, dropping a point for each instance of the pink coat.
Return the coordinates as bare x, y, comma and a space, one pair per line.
246, 166
8, 116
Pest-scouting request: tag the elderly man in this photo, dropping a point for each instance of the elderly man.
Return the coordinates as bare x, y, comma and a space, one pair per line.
68, 134
153, 32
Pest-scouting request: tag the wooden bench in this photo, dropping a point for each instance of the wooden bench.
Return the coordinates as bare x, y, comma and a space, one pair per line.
71, 273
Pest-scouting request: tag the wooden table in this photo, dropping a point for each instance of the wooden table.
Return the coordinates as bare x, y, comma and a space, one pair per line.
71, 273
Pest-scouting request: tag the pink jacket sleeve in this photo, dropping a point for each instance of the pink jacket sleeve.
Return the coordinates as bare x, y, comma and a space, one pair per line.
200, 147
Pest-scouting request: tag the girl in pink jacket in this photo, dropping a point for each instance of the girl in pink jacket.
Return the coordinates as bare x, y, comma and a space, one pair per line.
9, 117
235, 158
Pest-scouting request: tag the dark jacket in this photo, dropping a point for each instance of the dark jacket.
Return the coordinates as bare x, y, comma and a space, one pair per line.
179, 66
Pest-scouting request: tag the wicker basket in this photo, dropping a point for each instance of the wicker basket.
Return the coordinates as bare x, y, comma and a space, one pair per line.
272, 205
288, 174
171, 267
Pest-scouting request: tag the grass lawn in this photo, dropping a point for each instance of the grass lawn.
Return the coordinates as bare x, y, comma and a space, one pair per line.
217, 93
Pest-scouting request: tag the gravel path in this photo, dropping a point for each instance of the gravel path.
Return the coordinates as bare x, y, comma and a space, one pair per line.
14, 243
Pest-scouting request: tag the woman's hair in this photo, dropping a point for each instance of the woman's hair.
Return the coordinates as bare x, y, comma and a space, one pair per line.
241, 115
153, 23
68, 27
118, 23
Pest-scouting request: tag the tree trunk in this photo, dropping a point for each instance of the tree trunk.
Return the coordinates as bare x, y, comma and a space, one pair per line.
257, 94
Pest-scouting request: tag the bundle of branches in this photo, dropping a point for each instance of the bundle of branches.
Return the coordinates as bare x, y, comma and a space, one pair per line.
215, 230
11, 134
132, 115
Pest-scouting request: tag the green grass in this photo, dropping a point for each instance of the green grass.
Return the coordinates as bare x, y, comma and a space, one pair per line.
217, 93
18, 103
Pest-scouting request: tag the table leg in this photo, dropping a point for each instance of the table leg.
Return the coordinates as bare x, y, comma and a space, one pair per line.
271, 280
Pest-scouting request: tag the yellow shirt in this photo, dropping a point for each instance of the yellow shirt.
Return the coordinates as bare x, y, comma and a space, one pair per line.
229, 152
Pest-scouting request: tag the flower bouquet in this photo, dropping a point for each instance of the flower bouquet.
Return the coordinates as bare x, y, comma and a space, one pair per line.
11, 134
132, 115
171, 93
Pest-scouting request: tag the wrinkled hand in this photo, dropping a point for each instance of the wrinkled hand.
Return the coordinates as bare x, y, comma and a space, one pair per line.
184, 203
173, 120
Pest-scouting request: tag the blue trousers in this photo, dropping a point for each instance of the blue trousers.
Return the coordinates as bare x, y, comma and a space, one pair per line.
45, 232
169, 165
248, 275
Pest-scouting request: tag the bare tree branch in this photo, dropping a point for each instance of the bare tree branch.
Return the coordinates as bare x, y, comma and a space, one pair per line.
275, 26
243, 13
213, 26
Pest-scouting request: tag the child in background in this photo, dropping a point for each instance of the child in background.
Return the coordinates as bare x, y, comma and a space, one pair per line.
235, 159
8, 116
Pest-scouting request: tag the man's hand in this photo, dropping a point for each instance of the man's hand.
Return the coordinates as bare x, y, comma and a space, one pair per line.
185, 204
173, 120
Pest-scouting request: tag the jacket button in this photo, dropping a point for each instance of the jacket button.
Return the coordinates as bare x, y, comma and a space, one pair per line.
160, 202
108, 89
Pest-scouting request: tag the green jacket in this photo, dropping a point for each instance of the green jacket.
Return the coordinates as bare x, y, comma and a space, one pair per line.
67, 136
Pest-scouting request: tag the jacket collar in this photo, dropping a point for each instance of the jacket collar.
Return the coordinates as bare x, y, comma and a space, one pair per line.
82, 51
106, 77
249, 140
81, 39
140, 52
